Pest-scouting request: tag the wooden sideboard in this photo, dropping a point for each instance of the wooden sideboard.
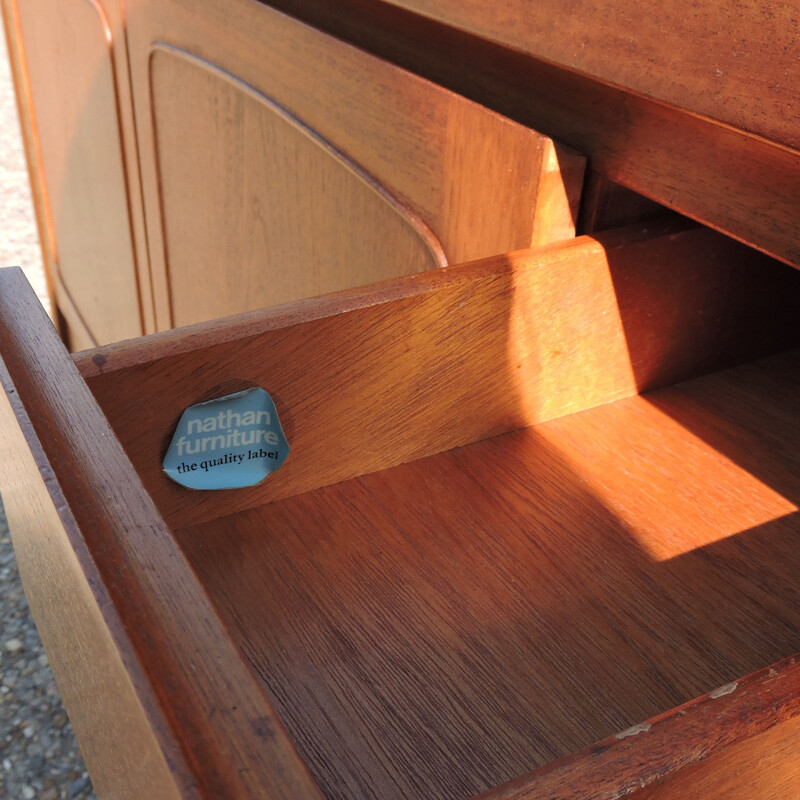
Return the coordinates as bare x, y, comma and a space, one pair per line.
538, 536
192, 161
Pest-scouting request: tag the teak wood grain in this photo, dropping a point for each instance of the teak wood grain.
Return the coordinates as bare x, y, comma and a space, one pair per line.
68, 61
275, 214
124, 739
192, 684
373, 377
481, 183
444, 626
731, 67
633, 86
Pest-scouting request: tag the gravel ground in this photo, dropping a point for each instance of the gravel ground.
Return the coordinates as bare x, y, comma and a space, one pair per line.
38, 752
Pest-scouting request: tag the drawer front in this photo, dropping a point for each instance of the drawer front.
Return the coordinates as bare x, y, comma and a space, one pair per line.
70, 66
125, 623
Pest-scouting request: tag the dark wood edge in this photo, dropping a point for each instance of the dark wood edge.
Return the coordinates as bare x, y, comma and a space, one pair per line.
244, 751
648, 753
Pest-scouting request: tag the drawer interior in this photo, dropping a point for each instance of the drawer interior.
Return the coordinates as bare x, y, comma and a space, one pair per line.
444, 626
533, 502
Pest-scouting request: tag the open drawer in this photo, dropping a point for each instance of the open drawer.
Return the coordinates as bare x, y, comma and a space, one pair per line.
490, 566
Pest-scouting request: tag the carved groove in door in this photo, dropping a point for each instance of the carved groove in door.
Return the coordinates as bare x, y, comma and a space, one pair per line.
258, 209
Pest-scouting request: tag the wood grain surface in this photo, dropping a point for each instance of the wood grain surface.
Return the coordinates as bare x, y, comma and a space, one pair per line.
632, 86
606, 205
734, 743
201, 694
116, 19
275, 214
439, 628
730, 67
67, 57
760, 768
124, 739
374, 377
472, 176
21, 83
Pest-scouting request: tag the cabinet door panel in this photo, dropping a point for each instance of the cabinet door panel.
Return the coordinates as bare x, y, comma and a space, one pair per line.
70, 74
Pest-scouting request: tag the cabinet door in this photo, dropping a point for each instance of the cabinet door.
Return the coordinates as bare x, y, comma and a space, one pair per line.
280, 163
66, 59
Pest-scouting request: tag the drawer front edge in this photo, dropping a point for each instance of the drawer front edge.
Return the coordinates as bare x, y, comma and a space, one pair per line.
121, 749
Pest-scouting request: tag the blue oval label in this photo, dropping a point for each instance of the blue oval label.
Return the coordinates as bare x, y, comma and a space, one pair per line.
227, 443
